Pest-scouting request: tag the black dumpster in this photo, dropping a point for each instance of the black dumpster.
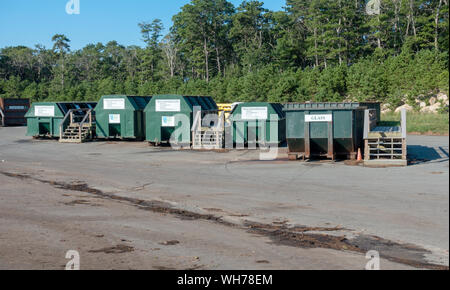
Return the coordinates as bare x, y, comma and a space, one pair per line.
12, 111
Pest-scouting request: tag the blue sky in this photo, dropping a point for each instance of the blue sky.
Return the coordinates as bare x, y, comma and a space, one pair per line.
30, 22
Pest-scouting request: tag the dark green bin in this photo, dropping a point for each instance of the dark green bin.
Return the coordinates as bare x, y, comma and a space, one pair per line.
324, 129
120, 116
12, 111
254, 123
168, 114
44, 119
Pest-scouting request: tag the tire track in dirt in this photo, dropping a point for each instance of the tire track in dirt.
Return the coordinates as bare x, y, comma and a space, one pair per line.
296, 236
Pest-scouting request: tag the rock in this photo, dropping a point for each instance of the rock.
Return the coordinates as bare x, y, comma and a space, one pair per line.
422, 104
442, 97
431, 109
385, 108
433, 100
405, 106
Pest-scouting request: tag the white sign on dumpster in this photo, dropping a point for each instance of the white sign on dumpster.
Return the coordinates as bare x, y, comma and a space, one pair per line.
44, 111
113, 104
319, 118
254, 113
114, 118
168, 105
168, 121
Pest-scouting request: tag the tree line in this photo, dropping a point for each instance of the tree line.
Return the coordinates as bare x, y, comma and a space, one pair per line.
319, 50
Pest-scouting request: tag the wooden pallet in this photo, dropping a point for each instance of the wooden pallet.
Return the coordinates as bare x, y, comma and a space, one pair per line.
209, 139
385, 150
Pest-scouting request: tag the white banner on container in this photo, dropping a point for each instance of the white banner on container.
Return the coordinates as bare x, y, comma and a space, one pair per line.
114, 104
168, 121
254, 113
114, 118
319, 118
168, 105
44, 111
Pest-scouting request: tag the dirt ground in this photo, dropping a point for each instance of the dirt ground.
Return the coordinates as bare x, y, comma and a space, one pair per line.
125, 205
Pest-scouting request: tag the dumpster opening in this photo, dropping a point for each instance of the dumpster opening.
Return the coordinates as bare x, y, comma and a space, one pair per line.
44, 128
114, 130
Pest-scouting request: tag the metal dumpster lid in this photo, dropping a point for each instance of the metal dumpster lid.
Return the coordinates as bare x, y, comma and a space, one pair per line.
323, 106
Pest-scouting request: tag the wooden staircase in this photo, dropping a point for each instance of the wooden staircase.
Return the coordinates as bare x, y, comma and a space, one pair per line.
77, 132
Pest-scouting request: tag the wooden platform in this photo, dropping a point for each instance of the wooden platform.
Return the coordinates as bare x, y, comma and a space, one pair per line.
382, 131
385, 163
385, 146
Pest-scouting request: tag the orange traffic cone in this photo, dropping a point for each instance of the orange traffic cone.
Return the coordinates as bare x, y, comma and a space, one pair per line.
359, 158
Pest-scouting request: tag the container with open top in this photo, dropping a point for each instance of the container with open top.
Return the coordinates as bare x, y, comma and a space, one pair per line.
51, 119
169, 118
120, 116
259, 123
12, 111
324, 129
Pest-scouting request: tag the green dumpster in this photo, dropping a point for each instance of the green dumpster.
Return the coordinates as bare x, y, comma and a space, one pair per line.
119, 116
169, 118
258, 123
44, 119
324, 129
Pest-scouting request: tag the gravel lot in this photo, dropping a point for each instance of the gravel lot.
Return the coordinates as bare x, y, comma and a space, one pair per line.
126, 205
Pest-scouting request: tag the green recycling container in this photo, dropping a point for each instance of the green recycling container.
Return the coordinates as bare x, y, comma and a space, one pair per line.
44, 119
258, 123
324, 129
169, 114
120, 116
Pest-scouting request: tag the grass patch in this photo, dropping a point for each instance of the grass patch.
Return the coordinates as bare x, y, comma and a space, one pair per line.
419, 122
